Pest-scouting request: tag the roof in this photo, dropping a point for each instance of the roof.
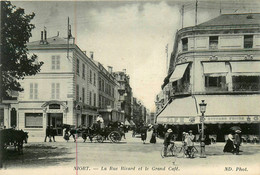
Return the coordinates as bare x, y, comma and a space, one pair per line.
53, 40
233, 19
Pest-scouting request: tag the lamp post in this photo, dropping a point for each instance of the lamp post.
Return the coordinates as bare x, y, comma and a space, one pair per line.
202, 141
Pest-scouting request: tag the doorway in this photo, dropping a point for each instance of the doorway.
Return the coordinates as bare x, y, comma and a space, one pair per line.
56, 120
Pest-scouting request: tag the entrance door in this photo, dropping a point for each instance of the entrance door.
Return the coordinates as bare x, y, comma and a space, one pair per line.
90, 119
13, 118
56, 120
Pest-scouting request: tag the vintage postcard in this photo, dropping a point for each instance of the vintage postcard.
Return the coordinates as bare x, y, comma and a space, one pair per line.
130, 87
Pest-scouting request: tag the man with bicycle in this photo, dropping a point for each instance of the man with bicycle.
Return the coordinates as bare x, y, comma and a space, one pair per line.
190, 143
168, 139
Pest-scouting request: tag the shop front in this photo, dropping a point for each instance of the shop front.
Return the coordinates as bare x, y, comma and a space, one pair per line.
222, 112
55, 112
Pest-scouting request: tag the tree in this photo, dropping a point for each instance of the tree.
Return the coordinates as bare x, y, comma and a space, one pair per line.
15, 60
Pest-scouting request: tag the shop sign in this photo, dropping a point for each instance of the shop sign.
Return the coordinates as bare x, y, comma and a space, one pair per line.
232, 119
54, 106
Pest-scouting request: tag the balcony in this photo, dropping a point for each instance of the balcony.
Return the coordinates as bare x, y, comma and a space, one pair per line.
240, 87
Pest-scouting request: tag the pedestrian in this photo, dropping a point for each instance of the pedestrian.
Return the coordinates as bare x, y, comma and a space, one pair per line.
167, 140
153, 138
237, 141
229, 147
53, 133
66, 134
143, 134
190, 143
47, 133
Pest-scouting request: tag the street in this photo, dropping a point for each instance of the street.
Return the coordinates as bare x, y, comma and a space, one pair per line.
128, 156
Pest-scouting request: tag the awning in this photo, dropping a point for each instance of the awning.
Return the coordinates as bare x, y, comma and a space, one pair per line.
178, 72
179, 112
214, 68
245, 68
231, 108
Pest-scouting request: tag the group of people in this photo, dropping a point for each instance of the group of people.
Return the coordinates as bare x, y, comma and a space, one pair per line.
50, 133
187, 140
233, 143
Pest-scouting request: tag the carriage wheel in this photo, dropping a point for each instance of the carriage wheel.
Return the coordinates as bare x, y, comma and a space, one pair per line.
98, 138
114, 136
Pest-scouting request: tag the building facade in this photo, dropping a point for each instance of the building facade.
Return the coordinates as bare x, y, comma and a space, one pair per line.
64, 92
109, 102
217, 61
125, 92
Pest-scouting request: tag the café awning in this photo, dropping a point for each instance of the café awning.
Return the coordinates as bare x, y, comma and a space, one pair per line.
231, 108
178, 72
181, 111
245, 68
214, 68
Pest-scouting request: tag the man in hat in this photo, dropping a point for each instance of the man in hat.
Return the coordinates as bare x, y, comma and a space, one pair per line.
237, 141
190, 143
167, 140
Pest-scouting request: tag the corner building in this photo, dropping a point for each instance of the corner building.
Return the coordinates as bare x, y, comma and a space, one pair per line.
217, 61
65, 91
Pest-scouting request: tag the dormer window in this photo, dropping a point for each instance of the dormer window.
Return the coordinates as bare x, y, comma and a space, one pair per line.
213, 42
248, 41
184, 44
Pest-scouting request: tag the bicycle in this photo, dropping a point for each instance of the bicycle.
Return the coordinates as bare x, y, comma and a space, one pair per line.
171, 150
185, 152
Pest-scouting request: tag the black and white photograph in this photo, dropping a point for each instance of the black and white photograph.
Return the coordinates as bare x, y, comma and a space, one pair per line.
130, 87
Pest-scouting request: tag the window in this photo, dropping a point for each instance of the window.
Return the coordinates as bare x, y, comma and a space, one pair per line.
77, 92
55, 62
184, 44
83, 95
94, 99
94, 79
83, 70
77, 66
113, 90
215, 81
103, 86
33, 90
33, 120
213, 42
99, 83
90, 76
55, 90
99, 101
90, 98
248, 41
246, 83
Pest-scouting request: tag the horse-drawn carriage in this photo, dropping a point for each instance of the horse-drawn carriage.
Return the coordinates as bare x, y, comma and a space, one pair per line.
95, 133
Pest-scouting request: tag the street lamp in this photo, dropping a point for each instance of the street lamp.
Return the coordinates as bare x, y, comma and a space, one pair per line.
202, 141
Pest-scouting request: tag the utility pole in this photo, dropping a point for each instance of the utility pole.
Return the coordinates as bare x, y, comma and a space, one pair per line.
68, 38
182, 16
166, 50
220, 9
196, 13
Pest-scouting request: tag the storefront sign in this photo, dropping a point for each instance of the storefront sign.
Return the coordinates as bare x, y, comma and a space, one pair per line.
208, 120
54, 106
233, 119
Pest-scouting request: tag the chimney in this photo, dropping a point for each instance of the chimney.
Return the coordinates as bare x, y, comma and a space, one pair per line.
110, 69
41, 41
45, 35
92, 55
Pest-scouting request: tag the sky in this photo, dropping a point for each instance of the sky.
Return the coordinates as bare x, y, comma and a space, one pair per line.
129, 35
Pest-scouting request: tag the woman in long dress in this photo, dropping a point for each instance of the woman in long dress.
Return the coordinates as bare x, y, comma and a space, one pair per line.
229, 147
153, 138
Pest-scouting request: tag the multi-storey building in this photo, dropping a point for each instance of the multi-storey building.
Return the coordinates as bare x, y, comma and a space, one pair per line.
125, 92
109, 103
64, 92
217, 61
